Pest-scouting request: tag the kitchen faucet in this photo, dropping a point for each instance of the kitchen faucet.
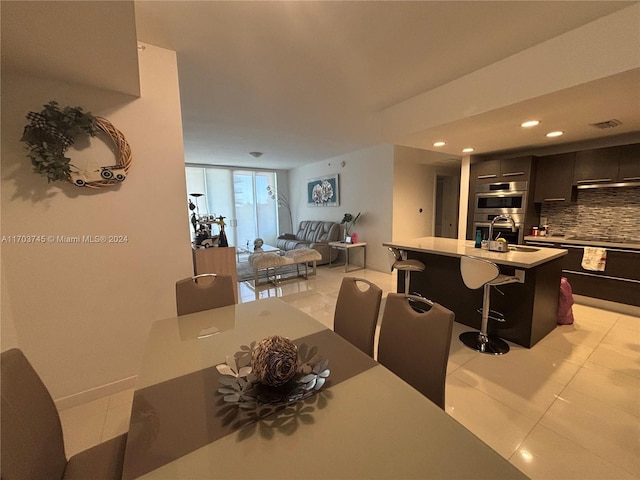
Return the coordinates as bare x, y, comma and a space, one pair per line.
501, 217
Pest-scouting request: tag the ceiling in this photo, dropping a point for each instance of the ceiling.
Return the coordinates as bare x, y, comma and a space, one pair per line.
304, 81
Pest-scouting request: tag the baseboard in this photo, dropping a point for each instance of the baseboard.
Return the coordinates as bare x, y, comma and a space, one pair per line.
607, 305
95, 393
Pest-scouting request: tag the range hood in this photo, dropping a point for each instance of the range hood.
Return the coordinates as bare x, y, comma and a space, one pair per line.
608, 183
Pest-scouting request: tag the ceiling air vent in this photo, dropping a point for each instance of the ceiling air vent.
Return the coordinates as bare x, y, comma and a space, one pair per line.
606, 124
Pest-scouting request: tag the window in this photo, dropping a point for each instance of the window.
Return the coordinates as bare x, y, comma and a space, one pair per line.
240, 196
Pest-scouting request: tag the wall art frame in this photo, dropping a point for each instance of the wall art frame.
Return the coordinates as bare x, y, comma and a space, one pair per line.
324, 191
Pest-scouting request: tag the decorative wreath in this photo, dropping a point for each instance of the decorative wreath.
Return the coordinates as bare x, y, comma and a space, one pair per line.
53, 130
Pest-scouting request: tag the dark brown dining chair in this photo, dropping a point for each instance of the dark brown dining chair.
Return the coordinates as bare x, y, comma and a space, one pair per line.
415, 337
357, 312
204, 292
32, 439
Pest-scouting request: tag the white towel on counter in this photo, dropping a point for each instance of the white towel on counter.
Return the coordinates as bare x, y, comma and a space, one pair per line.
594, 258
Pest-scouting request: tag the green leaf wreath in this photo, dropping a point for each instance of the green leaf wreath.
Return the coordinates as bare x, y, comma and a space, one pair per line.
50, 133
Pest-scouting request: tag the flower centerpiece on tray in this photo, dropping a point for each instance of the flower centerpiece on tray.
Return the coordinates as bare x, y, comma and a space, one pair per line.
273, 372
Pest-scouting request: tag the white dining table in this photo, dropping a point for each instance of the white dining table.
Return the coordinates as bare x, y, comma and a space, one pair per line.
364, 423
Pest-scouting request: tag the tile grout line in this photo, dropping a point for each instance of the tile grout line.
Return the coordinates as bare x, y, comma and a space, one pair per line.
558, 396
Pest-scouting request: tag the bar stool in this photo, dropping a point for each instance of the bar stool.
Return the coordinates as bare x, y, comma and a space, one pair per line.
407, 266
476, 273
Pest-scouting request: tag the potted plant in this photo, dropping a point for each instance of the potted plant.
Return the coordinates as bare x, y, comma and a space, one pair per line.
349, 220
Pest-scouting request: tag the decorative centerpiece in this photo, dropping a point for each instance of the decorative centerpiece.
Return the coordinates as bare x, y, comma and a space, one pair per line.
272, 372
275, 360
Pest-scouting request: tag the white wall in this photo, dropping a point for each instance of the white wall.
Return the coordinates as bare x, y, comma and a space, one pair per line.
81, 312
366, 186
413, 190
463, 207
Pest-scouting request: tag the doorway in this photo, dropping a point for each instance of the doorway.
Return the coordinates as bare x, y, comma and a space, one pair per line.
446, 206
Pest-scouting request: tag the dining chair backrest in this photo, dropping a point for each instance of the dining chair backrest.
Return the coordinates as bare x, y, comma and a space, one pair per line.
357, 312
32, 438
415, 344
477, 271
204, 292
32, 441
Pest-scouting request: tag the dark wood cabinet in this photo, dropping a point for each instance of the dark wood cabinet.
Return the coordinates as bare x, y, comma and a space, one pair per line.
487, 171
515, 169
554, 178
503, 170
617, 283
599, 165
629, 169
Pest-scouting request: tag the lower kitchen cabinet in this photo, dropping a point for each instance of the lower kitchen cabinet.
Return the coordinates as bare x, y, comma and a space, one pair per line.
619, 282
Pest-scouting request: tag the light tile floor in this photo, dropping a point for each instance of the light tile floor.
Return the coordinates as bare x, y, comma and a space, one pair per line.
569, 408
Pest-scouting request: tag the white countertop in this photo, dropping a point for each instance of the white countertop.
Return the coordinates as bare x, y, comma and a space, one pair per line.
569, 240
457, 248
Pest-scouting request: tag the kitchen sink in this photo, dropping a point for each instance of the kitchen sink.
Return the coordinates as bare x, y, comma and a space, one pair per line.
520, 248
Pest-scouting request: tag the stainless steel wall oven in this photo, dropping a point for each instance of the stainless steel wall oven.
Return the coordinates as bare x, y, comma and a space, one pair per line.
501, 198
506, 198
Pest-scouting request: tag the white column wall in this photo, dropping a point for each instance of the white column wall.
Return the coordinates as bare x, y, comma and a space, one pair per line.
465, 169
81, 312
414, 186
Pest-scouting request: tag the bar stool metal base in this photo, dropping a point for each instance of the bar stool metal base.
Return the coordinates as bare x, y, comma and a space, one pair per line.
488, 344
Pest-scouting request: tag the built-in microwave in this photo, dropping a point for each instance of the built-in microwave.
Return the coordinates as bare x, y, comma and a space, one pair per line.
501, 198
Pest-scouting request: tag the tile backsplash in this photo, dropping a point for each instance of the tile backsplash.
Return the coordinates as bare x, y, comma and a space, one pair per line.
601, 212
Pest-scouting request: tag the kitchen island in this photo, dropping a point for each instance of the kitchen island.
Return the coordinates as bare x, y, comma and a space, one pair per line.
529, 307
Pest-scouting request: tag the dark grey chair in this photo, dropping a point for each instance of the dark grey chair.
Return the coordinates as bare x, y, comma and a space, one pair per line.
204, 292
357, 312
406, 266
415, 338
32, 439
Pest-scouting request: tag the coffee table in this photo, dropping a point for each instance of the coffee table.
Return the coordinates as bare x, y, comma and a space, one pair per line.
264, 249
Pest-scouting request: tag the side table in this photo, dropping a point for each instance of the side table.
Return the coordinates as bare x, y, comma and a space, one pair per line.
346, 247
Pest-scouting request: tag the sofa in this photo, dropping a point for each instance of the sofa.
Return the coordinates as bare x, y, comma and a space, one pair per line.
314, 234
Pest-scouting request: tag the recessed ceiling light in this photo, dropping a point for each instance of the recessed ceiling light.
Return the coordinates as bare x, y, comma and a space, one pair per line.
439, 144
467, 150
530, 123
557, 133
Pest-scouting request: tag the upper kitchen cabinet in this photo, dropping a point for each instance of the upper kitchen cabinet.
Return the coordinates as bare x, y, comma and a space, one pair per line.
599, 165
554, 178
487, 171
608, 165
629, 170
504, 170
